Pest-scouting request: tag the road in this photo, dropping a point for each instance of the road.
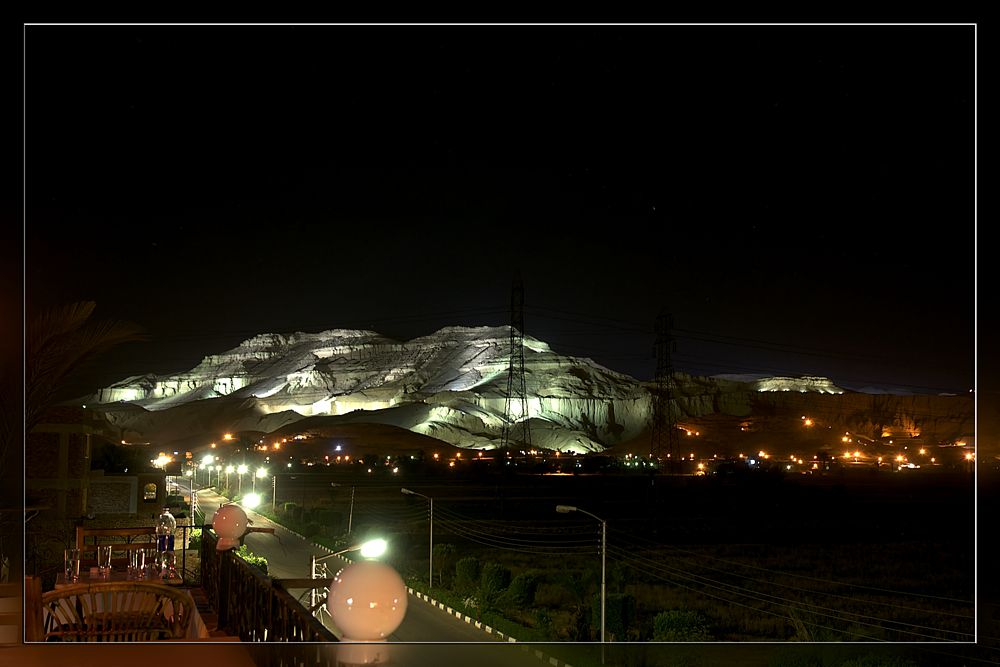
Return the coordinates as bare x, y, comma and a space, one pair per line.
288, 557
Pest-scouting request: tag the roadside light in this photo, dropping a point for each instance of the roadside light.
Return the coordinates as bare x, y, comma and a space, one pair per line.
213, 445
261, 472
227, 436
241, 469
208, 459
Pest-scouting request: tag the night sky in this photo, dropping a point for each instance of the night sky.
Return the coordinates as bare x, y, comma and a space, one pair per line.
800, 198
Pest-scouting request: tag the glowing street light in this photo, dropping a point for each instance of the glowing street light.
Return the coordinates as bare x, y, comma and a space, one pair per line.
566, 509
261, 472
241, 470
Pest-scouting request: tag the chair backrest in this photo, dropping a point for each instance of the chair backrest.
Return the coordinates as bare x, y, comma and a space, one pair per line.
121, 539
115, 612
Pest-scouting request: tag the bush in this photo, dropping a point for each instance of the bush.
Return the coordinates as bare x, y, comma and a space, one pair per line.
310, 529
194, 539
619, 614
495, 579
257, 561
543, 623
521, 593
467, 572
680, 625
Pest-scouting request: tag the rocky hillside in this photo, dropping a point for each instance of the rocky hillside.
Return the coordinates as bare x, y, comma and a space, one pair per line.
451, 385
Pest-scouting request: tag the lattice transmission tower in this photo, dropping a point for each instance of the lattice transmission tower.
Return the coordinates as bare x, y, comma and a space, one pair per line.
516, 431
664, 445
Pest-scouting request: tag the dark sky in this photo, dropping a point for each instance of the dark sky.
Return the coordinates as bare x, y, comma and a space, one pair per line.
800, 198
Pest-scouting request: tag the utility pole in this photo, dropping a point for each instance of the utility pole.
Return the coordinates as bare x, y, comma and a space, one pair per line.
515, 422
664, 443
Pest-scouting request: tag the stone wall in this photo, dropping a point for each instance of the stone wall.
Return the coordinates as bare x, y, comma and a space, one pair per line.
113, 494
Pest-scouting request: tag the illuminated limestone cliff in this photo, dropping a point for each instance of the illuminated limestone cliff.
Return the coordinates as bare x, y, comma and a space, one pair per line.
451, 385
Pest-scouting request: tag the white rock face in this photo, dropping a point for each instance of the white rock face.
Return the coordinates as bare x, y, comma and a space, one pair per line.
457, 376
449, 385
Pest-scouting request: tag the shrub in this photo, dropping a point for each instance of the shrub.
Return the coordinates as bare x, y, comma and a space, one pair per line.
495, 579
194, 539
310, 529
543, 623
257, 561
467, 571
521, 592
619, 614
680, 625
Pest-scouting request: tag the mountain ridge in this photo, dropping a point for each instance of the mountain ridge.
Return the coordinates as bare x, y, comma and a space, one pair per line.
451, 385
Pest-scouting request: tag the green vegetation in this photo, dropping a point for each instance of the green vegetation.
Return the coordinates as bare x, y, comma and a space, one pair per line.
680, 625
257, 561
467, 572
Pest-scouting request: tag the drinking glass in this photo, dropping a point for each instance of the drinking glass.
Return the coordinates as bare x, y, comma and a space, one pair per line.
136, 563
71, 561
151, 564
104, 561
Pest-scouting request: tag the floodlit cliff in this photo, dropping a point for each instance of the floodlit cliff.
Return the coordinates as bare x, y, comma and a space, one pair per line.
451, 385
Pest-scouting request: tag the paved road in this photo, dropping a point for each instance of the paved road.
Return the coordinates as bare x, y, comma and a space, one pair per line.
288, 557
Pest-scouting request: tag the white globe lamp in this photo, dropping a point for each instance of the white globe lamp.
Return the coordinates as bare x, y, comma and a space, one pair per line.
367, 601
229, 523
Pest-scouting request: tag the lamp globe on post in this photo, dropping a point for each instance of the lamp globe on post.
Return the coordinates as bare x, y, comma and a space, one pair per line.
367, 601
229, 523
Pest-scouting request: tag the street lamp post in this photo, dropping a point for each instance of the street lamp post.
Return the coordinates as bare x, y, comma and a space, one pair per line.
241, 470
260, 473
566, 509
430, 578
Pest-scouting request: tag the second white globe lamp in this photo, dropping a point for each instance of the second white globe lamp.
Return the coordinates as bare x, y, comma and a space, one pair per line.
229, 523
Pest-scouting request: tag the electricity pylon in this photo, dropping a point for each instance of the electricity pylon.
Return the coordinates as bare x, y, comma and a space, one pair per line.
516, 431
664, 444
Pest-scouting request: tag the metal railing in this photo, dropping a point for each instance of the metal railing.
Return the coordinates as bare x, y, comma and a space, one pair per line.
253, 606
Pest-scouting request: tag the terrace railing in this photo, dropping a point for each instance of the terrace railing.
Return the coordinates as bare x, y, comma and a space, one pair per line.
253, 606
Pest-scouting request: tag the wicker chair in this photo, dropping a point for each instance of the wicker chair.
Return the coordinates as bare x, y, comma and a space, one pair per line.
131, 611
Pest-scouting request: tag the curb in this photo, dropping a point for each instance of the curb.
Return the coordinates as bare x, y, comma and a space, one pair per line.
485, 628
